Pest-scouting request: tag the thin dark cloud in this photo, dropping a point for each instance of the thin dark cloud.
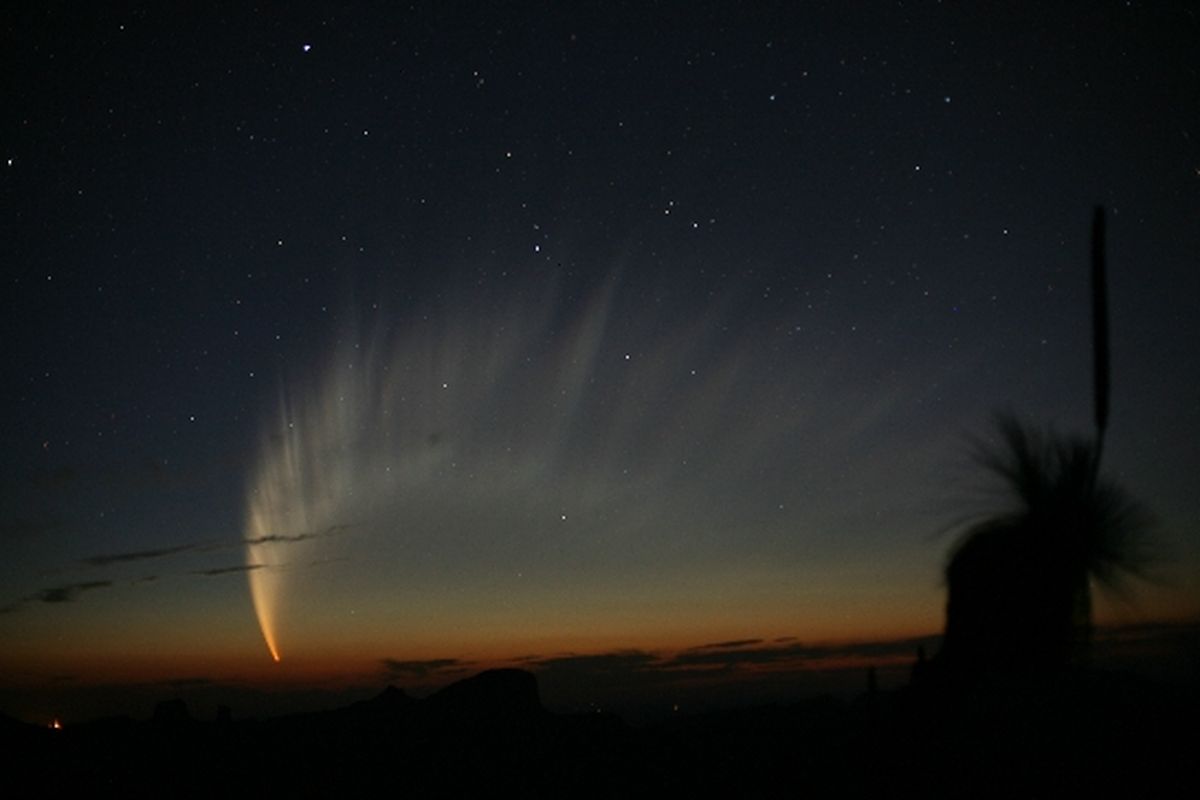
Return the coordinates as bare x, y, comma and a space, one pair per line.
730, 659
640, 666
275, 538
796, 653
69, 593
227, 570
727, 645
279, 538
106, 559
645, 668
526, 659
597, 667
423, 668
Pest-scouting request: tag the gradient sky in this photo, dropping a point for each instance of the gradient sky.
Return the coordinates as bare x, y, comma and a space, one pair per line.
463, 338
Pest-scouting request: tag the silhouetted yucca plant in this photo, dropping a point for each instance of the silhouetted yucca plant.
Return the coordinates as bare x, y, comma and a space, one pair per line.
1058, 527
1020, 576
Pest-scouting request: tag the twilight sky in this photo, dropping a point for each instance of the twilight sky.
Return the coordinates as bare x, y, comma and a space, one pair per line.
443, 338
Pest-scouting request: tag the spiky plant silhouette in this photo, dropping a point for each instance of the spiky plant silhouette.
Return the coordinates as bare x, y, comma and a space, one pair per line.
1020, 576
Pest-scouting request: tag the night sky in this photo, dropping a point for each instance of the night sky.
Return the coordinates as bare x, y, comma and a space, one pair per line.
436, 339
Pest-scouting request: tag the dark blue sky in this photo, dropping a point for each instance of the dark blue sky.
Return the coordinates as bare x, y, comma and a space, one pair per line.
557, 328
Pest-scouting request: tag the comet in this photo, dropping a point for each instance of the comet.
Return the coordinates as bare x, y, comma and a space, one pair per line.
295, 491
519, 431
312, 473
366, 430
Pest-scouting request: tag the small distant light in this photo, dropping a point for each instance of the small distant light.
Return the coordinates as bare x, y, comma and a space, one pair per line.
306, 47
55, 725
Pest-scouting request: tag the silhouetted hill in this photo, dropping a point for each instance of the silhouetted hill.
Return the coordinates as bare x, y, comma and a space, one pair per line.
13, 727
172, 713
497, 696
390, 697
1091, 732
389, 705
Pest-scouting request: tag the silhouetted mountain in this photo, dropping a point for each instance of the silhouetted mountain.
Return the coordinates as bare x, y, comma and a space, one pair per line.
391, 697
388, 704
172, 713
497, 697
8, 725
490, 734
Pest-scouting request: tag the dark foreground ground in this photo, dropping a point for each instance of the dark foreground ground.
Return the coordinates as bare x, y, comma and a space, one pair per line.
1099, 733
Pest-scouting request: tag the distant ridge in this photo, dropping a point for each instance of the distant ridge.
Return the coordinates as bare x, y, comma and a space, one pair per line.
490, 735
494, 695
390, 699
